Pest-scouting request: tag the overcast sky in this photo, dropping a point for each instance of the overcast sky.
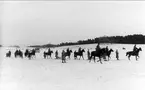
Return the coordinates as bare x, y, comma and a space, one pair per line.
27, 23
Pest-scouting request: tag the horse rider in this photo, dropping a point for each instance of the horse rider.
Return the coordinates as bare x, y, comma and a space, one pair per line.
27, 50
98, 47
67, 50
63, 56
49, 50
107, 48
134, 48
33, 50
79, 50
19, 51
56, 54
88, 53
9, 52
75, 54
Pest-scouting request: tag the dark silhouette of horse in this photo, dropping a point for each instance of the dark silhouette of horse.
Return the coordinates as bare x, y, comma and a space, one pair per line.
18, 53
46, 54
99, 53
108, 53
26, 53
80, 53
68, 53
133, 53
8, 54
31, 54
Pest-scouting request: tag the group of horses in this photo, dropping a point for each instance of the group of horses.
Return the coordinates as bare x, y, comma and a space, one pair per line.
18, 53
101, 53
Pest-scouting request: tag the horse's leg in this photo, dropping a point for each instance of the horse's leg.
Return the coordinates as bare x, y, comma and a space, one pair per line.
29, 57
108, 58
100, 60
83, 57
129, 57
136, 58
69, 57
94, 59
90, 59
43, 56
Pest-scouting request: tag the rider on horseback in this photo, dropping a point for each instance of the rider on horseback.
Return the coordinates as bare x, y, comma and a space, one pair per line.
79, 50
49, 50
67, 50
56, 54
98, 47
63, 56
107, 48
9, 52
88, 53
134, 48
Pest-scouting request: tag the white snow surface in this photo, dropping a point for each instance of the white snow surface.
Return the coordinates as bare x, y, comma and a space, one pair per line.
51, 74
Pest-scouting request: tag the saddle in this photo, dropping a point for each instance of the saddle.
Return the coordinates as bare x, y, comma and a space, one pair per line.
134, 52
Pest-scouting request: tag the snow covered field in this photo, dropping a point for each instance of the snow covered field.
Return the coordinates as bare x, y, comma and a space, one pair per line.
51, 74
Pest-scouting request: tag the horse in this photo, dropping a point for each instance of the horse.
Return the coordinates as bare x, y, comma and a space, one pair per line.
108, 53
46, 54
18, 53
8, 54
80, 53
68, 53
134, 53
99, 53
31, 53
26, 53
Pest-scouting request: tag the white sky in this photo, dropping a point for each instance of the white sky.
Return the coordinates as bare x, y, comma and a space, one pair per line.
35, 22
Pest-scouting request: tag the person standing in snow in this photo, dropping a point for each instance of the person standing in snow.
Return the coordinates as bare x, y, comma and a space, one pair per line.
56, 54
88, 53
63, 57
79, 50
117, 55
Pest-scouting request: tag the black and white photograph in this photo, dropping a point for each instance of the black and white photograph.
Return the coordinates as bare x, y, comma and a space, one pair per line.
72, 45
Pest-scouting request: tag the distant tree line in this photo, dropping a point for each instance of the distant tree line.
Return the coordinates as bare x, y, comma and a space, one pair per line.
128, 39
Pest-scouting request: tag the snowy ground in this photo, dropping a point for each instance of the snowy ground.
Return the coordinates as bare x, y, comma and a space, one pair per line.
51, 74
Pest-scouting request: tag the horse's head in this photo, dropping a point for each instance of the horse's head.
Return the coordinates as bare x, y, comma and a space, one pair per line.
51, 51
83, 50
111, 50
140, 49
70, 51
